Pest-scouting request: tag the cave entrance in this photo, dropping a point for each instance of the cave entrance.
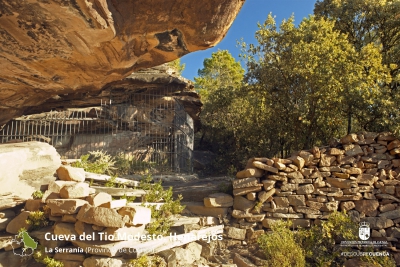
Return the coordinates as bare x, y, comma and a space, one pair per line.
151, 131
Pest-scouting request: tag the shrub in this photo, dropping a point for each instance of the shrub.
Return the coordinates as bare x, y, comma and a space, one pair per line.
40, 256
162, 216
280, 247
97, 162
148, 261
37, 219
319, 242
37, 194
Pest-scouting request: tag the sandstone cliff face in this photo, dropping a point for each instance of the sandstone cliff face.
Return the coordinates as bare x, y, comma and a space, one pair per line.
59, 47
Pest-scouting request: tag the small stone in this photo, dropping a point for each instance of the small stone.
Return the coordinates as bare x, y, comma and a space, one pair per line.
388, 189
208, 220
306, 171
295, 175
279, 166
299, 162
101, 216
99, 199
198, 208
386, 137
378, 222
289, 187
236, 233
77, 190
366, 179
265, 167
306, 210
330, 206
250, 172
305, 189
244, 182
315, 205
65, 231
251, 196
33, 205
288, 216
68, 173
245, 191
241, 261
241, 203
268, 184
326, 160
264, 196
297, 200
18, 222
393, 144
353, 150
56, 186
347, 205
341, 183
342, 175
268, 222
348, 139
60, 207
71, 218
387, 207
281, 202
239, 214
336, 152
307, 156
218, 200
394, 214
137, 214
282, 178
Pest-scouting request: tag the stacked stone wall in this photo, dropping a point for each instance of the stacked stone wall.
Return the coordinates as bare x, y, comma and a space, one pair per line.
359, 174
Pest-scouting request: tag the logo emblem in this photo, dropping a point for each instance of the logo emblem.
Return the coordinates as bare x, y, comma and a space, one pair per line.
364, 232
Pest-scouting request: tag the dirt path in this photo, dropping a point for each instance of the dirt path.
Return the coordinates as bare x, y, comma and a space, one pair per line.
198, 189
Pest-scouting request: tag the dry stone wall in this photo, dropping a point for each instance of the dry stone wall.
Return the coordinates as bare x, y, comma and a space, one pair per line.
359, 174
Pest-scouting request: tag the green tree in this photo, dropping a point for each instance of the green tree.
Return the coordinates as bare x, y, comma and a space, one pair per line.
219, 84
176, 65
366, 23
310, 77
219, 71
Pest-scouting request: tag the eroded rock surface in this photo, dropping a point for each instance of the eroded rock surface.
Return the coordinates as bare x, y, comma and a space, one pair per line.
50, 48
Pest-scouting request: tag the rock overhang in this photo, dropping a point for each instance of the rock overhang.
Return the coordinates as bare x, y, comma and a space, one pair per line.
57, 47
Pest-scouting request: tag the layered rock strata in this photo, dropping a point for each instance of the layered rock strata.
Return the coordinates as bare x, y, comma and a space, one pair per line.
51, 48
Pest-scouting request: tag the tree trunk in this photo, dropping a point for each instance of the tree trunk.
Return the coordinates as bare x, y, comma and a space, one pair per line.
349, 123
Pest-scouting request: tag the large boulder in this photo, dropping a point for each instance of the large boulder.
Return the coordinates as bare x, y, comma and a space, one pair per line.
53, 48
26, 166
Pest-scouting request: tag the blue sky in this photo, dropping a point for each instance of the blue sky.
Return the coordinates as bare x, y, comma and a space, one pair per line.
245, 26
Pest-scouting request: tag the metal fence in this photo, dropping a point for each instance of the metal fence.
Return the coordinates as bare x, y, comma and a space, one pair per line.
149, 131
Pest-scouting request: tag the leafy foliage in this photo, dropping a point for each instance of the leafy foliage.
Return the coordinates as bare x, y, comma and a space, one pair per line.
40, 256
37, 194
97, 162
176, 65
37, 219
316, 246
319, 242
147, 261
280, 247
304, 85
156, 193
372, 23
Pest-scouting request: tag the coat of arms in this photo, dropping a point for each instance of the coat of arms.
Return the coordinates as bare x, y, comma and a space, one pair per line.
364, 232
